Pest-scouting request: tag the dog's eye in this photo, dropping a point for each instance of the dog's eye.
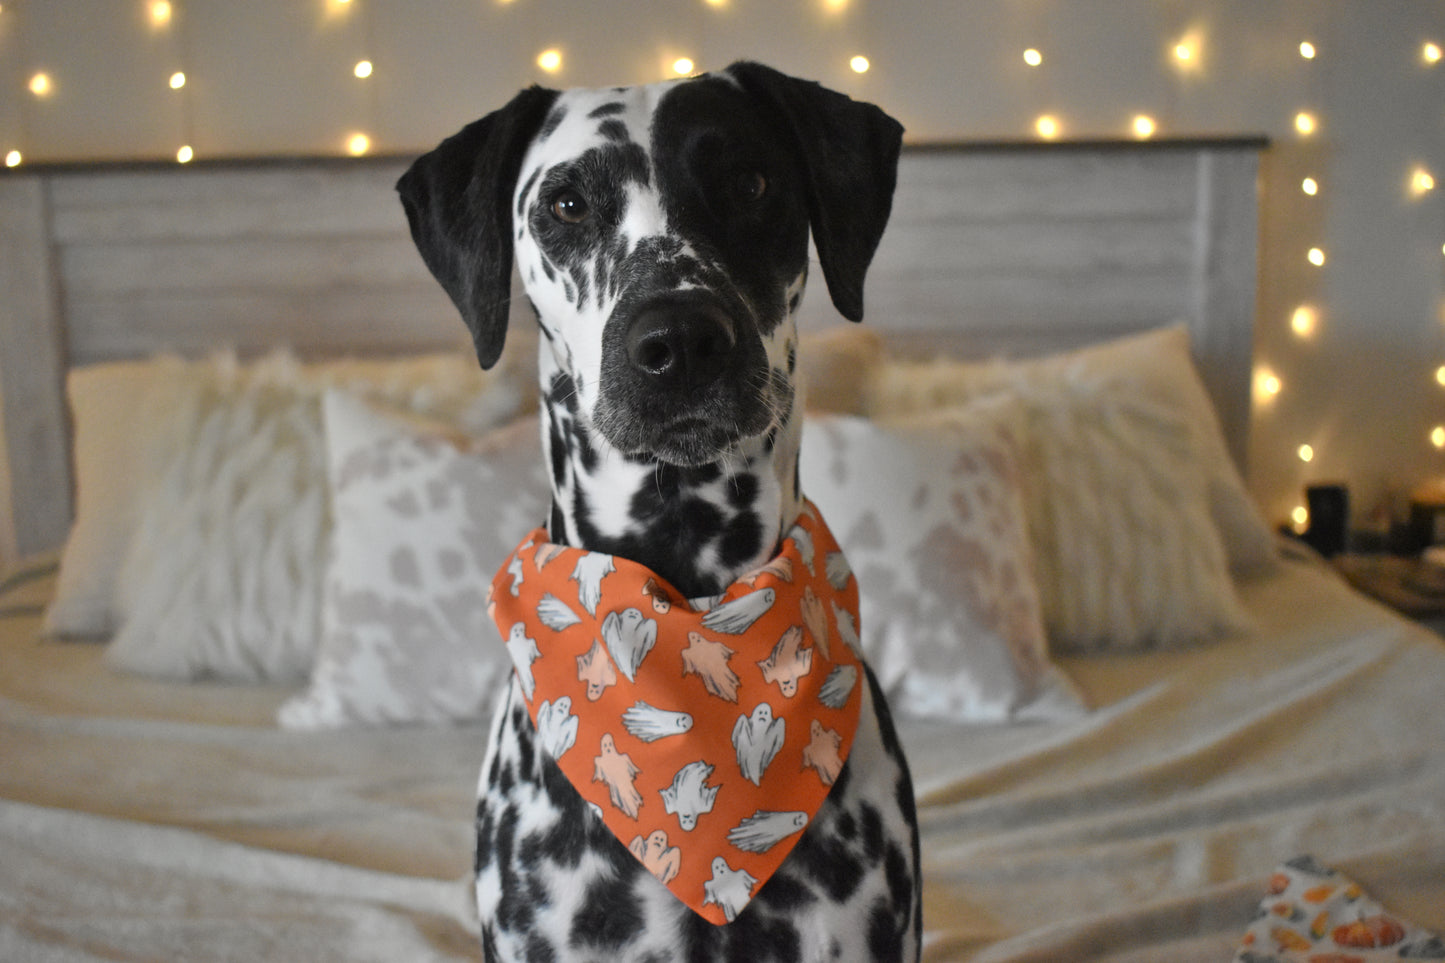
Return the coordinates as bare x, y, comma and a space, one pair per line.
569, 207
750, 187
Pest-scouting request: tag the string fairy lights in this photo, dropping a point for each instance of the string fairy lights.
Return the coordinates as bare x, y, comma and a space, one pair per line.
1189, 54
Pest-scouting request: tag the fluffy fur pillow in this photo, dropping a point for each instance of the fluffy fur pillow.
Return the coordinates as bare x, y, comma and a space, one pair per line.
930, 514
1124, 479
222, 576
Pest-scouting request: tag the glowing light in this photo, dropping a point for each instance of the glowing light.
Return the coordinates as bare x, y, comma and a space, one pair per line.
1183, 52
835, 6
1310, 186
683, 66
1306, 453
1421, 181
1307, 50
1430, 53
358, 144
41, 85
1302, 322
550, 60
1144, 126
13, 159
1047, 127
1437, 436
362, 70
717, 3
1316, 257
1301, 518
859, 64
1439, 372
1267, 383
185, 154
1032, 57
1304, 122
178, 80
160, 13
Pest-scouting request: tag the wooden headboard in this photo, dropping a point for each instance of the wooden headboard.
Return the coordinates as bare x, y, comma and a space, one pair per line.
1007, 249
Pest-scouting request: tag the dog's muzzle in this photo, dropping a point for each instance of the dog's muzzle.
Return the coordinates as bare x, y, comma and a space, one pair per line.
685, 379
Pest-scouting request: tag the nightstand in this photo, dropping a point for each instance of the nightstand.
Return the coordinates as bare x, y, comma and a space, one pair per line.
1406, 584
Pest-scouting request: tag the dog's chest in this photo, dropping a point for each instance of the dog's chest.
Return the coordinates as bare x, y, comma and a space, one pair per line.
554, 883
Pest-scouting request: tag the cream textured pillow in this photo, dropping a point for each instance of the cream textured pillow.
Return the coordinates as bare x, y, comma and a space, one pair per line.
423, 518
1124, 470
1155, 365
229, 515
132, 419
930, 516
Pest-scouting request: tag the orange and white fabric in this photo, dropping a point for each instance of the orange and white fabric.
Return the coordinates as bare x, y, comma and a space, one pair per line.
706, 734
1315, 914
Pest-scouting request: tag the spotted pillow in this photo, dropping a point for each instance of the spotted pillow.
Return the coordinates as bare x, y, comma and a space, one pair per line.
929, 513
421, 519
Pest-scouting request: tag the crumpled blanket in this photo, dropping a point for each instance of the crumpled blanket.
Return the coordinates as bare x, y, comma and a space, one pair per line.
1314, 914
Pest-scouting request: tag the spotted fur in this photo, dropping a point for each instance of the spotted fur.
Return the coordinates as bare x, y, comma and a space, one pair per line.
661, 233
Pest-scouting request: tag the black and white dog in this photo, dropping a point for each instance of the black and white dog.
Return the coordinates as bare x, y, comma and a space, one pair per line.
661, 233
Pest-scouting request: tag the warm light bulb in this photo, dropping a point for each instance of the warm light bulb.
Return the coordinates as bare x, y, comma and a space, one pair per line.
1301, 518
13, 159
1302, 322
185, 154
1047, 127
40, 85
1307, 50
1430, 53
1304, 122
362, 70
1439, 372
178, 80
1032, 57
682, 66
550, 60
1310, 186
160, 12
835, 5
717, 3
1144, 126
1421, 181
1183, 52
859, 64
1267, 383
358, 144
1306, 453
1316, 257
1437, 436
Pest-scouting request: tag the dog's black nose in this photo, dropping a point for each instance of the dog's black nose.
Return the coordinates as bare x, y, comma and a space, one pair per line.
681, 344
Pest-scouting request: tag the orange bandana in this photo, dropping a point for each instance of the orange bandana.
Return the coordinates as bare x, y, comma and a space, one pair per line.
705, 736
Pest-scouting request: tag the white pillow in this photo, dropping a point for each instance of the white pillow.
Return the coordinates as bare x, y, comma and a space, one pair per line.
104, 402
1154, 365
132, 420
930, 516
1123, 473
226, 550
422, 519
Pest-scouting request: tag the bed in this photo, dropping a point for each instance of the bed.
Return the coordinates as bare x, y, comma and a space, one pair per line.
228, 732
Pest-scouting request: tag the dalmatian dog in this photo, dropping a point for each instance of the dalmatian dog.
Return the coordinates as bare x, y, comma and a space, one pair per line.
661, 234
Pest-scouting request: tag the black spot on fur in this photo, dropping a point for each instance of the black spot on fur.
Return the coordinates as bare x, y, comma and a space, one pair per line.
884, 934
614, 130
539, 949
742, 540
608, 918
609, 109
830, 862
553, 121
526, 192
900, 879
786, 892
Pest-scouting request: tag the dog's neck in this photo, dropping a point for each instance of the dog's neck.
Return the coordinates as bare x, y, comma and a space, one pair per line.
700, 528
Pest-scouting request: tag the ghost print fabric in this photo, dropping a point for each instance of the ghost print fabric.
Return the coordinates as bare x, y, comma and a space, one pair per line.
705, 734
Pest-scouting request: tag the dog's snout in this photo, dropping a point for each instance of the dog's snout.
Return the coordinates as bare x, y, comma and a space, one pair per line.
681, 345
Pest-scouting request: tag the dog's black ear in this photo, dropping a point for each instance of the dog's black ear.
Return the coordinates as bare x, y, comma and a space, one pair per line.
458, 201
849, 153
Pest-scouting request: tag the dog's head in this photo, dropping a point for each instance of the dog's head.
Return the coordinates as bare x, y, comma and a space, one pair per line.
661, 233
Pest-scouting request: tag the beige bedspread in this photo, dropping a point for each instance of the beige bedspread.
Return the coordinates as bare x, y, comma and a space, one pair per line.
141, 820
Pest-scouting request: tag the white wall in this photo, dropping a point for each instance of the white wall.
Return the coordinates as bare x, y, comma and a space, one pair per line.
275, 77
